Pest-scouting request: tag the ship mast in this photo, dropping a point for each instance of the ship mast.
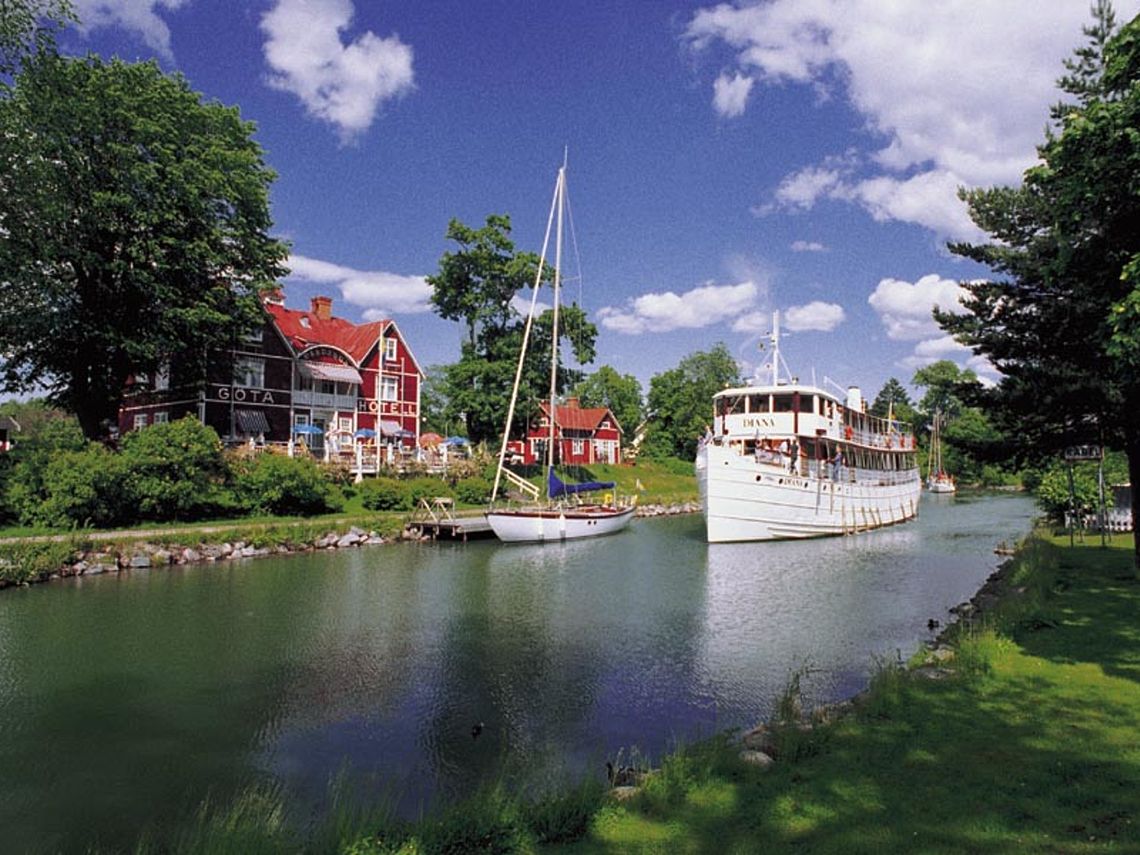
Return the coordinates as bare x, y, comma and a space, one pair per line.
774, 338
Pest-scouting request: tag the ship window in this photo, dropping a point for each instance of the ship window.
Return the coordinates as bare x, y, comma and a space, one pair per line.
781, 403
731, 406
757, 403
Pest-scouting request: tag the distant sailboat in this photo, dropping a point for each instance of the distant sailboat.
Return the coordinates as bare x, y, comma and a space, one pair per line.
937, 479
561, 516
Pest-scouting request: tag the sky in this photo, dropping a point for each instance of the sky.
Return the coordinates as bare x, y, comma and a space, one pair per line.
725, 161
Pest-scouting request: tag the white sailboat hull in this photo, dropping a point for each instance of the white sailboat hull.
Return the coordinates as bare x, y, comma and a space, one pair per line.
745, 500
541, 525
941, 485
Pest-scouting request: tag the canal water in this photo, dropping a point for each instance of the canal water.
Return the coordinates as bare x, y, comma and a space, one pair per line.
125, 701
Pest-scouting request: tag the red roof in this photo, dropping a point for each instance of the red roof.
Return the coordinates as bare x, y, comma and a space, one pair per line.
573, 417
305, 329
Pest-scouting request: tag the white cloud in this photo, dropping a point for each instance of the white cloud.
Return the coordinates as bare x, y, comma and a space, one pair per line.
945, 347
922, 76
815, 316
343, 84
730, 94
139, 17
753, 322
700, 307
808, 246
380, 294
905, 308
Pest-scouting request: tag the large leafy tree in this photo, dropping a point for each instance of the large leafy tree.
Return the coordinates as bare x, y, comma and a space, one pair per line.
477, 285
620, 392
134, 222
1062, 321
680, 401
946, 386
27, 28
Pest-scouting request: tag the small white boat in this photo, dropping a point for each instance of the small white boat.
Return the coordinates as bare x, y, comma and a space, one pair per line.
790, 460
562, 515
938, 480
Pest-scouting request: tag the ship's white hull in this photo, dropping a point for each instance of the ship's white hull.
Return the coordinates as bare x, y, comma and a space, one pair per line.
744, 500
541, 525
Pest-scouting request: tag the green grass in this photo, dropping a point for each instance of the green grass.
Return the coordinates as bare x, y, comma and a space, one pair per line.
1032, 746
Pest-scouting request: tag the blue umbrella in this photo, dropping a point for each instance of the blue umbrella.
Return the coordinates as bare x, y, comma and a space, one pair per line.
365, 433
456, 440
306, 428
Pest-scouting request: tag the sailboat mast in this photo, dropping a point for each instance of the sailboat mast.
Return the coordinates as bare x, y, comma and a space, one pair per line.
775, 348
554, 336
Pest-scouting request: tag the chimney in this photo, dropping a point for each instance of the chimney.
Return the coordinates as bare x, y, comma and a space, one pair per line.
273, 296
572, 402
322, 307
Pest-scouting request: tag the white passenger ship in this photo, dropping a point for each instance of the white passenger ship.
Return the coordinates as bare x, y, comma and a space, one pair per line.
786, 460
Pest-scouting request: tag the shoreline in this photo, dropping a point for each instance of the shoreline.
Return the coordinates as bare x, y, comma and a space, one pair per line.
147, 550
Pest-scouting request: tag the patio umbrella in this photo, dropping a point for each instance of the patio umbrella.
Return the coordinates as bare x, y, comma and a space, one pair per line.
456, 440
430, 439
306, 428
365, 433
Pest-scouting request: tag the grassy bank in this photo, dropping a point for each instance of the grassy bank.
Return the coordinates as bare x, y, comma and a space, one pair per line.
1023, 735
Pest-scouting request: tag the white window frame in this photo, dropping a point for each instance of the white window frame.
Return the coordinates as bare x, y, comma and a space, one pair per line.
390, 349
162, 377
577, 446
390, 389
247, 369
344, 424
140, 421
161, 417
256, 336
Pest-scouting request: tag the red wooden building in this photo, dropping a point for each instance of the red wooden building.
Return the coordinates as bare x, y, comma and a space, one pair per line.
582, 436
305, 376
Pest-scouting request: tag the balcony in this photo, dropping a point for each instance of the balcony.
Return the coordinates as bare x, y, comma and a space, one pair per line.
323, 400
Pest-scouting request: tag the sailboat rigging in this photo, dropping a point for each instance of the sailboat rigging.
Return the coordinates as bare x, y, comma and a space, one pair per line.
937, 479
562, 515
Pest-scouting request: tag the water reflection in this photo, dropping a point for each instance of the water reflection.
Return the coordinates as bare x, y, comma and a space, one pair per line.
129, 698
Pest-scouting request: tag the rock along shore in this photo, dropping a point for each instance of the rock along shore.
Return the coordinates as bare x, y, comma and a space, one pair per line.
147, 555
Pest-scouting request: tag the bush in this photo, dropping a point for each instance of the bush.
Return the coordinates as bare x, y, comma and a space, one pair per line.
82, 489
26, 561
473, 491
384, 494
176, 471
426, 488
275, 484
24, 488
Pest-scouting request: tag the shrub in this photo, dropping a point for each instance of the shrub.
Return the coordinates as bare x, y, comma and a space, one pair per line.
275, 484
83, 488
176, 470
25, 561
384, 494
426, 488
473, 491
24, 489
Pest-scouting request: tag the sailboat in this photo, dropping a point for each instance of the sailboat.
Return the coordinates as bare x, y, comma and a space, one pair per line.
937, 479
561, 514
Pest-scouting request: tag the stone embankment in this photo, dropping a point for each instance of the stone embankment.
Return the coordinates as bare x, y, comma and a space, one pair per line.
668, 510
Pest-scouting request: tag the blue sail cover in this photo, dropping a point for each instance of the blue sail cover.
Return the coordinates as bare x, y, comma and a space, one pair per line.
556, 487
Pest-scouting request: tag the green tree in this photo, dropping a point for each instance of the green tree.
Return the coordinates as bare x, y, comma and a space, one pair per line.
892, 395
27, 28
947, 388
477, 286
620, 392
1063, 322
680, 401
134, 223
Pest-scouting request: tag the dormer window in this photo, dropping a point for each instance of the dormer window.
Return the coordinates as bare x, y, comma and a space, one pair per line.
304, 321
390, 349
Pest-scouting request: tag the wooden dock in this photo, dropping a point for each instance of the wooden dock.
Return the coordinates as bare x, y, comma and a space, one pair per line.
436, 519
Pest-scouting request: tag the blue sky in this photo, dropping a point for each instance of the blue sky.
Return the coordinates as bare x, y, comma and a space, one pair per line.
725, 160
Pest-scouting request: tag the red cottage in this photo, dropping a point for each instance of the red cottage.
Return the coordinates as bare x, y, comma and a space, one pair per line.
306, 378
582, 436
